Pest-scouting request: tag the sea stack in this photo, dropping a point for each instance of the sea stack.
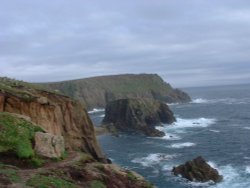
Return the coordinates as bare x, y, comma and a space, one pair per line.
197, 170
137, 116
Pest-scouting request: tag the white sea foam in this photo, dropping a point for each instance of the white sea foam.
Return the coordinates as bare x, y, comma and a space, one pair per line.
213, 130
248, 169
222, 101
233, 177
95, 110
182, 145
103, 115
247, 128
172, 104
199, 184
174, 131
199, 101
189, 123
153, 159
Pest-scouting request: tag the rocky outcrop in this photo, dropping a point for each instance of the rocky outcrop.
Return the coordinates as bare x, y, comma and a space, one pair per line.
96, 92
79, 170
48, 145
197, 170
137, 116
56, 114
26, 113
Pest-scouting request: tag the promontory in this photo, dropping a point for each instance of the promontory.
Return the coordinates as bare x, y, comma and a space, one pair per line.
96, 92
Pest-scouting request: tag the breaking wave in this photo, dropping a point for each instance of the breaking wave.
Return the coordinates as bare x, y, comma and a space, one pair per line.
182, 145
95, 110
153, 159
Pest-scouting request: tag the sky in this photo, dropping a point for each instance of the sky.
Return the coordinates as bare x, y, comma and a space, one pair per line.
187, 42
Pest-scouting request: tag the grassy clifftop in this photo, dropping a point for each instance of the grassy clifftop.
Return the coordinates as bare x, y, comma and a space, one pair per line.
97, 91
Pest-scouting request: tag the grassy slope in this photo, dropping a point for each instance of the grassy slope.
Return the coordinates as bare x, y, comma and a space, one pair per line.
16, 135
98, 91
118, 83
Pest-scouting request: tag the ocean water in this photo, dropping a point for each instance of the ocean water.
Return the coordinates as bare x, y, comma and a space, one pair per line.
215, 125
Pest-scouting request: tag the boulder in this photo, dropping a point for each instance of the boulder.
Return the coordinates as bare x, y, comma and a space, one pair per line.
49, 145
43, 100
197, 170
137, 116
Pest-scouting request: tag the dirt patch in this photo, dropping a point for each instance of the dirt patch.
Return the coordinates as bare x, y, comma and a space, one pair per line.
10, 158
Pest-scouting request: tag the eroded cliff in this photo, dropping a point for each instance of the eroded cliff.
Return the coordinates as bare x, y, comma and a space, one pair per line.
137, 116
56, 114
30, 120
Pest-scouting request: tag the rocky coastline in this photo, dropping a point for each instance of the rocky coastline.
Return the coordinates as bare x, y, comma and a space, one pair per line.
48, 140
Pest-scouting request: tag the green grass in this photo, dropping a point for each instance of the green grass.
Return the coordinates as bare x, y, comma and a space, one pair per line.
131, 176
16, 135
100, 166
10, 173
85, 158
24, 90
41, 181
97, 184
37, 162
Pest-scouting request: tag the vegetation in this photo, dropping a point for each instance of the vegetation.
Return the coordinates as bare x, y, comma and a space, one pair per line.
16, 135
97, 184
97, 91
24, 90
131, 176
85, 158
10, 173
41, 181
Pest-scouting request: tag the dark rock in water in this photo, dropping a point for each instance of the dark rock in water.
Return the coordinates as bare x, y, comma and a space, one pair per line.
197, 170
137, 116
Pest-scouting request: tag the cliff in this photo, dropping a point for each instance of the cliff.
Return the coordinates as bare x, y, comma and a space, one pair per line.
35, 128
98, 91
56, 114
137, 116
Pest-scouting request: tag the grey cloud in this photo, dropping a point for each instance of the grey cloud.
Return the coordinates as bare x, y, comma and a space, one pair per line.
189, 43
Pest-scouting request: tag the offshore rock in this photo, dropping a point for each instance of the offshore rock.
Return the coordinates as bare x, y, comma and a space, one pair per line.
48, 145
137, 116
197, 170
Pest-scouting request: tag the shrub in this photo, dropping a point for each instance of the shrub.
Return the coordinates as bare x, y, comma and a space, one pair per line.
41, 181
97, 184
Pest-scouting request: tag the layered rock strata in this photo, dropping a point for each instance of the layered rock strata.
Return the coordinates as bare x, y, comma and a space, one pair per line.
56, 114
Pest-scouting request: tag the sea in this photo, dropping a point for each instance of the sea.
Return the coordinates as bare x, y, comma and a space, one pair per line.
214, 125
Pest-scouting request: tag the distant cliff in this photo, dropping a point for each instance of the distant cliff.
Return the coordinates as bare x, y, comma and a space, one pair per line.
98, 91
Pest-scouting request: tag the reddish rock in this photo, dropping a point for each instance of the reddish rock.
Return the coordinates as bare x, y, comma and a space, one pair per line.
61, 116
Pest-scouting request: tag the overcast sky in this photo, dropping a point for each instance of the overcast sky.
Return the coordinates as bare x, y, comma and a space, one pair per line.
187, 42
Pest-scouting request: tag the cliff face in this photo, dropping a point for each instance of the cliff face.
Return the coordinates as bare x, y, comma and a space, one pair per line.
56, 114
26, 114
137, 116
98, 91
